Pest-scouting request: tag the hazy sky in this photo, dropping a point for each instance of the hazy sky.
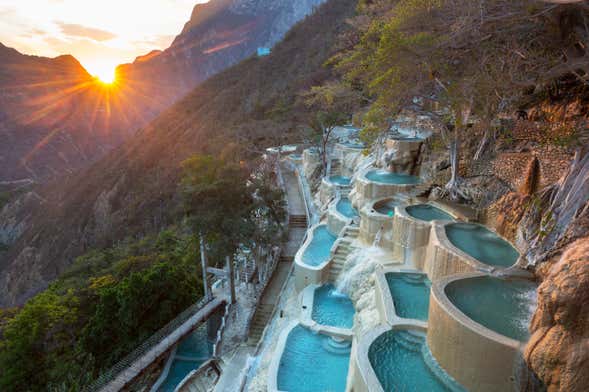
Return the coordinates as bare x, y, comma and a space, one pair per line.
99, 33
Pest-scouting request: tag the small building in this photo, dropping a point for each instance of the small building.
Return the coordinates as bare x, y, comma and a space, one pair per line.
263, 52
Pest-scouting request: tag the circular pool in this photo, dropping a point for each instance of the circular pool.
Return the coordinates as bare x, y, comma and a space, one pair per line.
402, 362
503, 306
428, 213
340, 180
386, 177
482, 244
386, 207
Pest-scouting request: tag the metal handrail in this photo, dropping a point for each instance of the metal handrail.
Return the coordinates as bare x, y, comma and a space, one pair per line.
147, 345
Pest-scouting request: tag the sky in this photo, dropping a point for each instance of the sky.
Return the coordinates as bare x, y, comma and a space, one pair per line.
100, 33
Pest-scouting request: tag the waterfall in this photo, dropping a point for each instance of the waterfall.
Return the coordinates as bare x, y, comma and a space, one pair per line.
378, 237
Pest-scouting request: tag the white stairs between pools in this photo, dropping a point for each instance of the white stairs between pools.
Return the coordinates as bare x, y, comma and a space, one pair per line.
344, 248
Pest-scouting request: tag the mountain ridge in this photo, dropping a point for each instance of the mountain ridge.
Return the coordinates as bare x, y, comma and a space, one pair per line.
133, 189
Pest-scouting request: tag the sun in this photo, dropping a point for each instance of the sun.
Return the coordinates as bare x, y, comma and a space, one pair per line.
106, 76
103, 71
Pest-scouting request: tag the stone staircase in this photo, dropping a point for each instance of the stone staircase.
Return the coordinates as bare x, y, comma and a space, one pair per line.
342, 251
297, 221
259, 322
264, 309
335, 167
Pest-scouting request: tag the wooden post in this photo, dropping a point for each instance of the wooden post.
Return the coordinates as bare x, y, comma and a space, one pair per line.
203, 261
231, 279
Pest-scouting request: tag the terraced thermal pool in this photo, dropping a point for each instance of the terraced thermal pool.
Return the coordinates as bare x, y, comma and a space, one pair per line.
317, 252
402, 362
386, 207
192, 352
344, 207
313, 362
428, 213
406, 138
504, 306
340, 180
482, 244
332, 308
410, 292
386, 177
357, 145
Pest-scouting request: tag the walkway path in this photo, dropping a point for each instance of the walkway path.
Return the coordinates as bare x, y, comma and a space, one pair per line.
234, 370
152, 354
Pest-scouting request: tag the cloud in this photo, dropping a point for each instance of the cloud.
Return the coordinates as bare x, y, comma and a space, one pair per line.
76, 30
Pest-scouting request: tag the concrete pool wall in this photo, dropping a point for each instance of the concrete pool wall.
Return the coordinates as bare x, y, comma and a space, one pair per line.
336, 221
362, 376
477, 357
365, 191
329, 189
412, 236
307, 300
444, 259
306, 274
384, 299
372, 222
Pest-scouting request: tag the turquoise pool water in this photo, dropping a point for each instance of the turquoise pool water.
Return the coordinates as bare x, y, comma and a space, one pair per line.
386, 177
406, 138
192, 352
344, 206
332, 308
353, 145
402, 362
318, 250
482, 244
504, 306
428, 213
410, 294
340, 180
386, 207
313, 362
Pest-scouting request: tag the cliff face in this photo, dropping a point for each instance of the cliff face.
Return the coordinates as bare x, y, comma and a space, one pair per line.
219, 34
558, 350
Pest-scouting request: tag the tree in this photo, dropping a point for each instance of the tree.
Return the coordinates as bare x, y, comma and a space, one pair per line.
473, 57
332, 105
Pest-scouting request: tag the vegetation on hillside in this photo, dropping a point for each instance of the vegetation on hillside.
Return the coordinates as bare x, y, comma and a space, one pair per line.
474, 59
103, 307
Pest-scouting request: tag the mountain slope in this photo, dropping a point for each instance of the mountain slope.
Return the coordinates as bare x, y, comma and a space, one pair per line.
54, 116
219, 34
134, 188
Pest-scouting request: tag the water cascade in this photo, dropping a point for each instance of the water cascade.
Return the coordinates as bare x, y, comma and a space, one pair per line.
377, 238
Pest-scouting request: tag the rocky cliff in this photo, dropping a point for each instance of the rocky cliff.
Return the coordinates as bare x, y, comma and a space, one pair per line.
558, 350
219, 34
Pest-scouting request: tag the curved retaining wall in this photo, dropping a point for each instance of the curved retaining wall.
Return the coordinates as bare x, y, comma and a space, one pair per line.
477, 357
361, 376
372, 221
411, 238
336, 221
443, 258
365, 191
384, 300
307, 274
